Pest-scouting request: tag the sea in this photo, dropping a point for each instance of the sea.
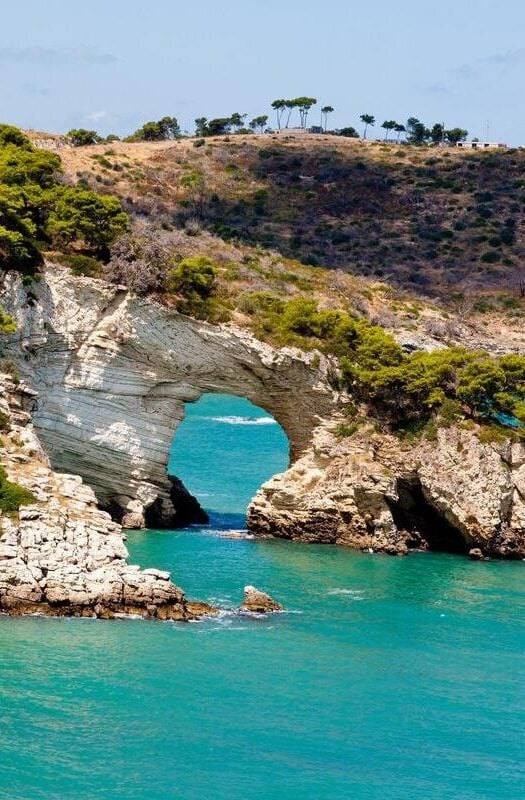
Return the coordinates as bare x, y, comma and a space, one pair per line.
385, 678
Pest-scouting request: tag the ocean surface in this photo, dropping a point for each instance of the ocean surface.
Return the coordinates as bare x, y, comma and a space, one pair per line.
386, 679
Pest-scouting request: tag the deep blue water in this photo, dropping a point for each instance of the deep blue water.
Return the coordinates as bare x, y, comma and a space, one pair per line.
387, 679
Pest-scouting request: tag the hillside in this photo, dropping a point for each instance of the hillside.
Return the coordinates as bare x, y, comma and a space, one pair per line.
443, 222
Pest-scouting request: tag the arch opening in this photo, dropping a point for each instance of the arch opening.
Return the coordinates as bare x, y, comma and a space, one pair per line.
225, 448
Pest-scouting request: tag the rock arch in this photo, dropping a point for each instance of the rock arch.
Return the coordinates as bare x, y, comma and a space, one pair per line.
113, 372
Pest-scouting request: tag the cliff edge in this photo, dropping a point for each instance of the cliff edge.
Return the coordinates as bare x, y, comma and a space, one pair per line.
370, 491
60, 555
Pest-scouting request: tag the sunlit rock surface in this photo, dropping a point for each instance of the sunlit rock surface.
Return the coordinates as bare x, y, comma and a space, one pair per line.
372, 492
113, 373
60, 554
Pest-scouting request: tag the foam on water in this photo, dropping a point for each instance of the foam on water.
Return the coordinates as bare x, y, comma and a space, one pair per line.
245, 420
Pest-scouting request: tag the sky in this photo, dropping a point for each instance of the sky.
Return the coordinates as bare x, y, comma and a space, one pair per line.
111, 65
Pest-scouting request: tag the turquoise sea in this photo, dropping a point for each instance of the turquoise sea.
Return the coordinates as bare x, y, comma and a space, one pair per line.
387, 679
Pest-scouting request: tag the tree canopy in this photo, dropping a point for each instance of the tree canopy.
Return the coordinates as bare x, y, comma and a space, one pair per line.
159, 131
37, 210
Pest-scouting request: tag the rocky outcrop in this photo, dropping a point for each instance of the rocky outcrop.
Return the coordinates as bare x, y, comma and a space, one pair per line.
113, 372
372, 492
61, 555
257, 602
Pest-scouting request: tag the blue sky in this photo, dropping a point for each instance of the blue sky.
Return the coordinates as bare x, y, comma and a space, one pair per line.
113, 64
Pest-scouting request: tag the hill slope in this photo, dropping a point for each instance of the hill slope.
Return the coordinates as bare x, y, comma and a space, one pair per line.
432, 220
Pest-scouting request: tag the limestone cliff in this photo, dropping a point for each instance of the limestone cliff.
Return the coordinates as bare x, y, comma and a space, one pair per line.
113, 372
62, 555
371, 492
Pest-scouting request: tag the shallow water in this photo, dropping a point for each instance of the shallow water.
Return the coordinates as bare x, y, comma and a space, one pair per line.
387, 678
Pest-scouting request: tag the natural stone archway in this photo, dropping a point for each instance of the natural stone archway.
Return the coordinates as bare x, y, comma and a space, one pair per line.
223, 451
114, 371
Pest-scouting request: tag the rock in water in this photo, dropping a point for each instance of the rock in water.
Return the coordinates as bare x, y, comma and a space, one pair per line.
258, 602
475, 554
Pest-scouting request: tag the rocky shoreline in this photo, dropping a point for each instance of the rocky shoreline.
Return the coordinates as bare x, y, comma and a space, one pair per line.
104, 380
371, 491
61, 555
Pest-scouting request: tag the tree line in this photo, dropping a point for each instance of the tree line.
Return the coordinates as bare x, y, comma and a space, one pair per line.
413, 131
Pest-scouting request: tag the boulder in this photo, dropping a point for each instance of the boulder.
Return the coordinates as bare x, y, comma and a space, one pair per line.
258, 602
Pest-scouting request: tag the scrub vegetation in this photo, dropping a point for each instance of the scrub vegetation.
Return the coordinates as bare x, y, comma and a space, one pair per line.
361, 207
12, 496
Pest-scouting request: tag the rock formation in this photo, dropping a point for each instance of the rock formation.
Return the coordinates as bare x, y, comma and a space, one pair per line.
61, 555
257, 602
372, 492
112, 373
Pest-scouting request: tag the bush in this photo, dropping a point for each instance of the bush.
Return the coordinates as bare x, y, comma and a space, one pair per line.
12, 496
81, 215
80, 137
82, 265
490, 257
140, 262
35, 209
194, 278
7, 323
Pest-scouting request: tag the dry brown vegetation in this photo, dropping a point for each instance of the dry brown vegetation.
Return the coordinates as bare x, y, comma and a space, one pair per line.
416, 222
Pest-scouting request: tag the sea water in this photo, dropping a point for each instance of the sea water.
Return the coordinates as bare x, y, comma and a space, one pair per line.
386, 678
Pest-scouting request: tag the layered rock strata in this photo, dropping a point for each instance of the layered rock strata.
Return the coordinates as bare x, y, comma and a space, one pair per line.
113, 372
61, 555
372, 492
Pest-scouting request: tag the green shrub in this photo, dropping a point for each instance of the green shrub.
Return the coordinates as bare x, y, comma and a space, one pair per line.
7, 323
36, 210
490, 257
81, 265
346, 429
12, 496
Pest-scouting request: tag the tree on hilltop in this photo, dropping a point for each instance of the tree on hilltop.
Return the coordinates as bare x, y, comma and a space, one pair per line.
456, 135
418, 133
367, 119
279, 107
325, 111
399, 129
289, 106
159, 131
201, 126
80, 137
304, 104
259, 123
437, 133
237, 120
388, 125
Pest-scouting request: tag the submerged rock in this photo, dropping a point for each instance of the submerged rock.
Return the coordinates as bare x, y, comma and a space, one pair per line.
258, 602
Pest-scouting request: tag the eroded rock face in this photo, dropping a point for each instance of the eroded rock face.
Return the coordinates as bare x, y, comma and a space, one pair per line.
62, 555
113, 372
371, 492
